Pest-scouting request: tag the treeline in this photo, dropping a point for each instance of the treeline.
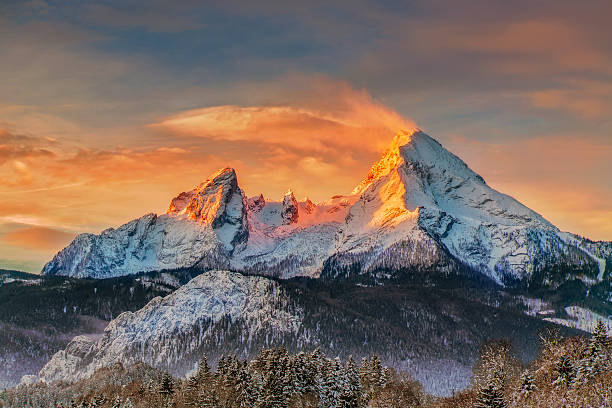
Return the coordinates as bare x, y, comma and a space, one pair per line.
569, 372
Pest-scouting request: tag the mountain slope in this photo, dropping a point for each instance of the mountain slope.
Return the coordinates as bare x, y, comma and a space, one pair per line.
419, 192
423, 329
200, 228
420, 209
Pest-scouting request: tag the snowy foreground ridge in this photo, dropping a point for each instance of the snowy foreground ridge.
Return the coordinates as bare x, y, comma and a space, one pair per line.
419, 208
168, 329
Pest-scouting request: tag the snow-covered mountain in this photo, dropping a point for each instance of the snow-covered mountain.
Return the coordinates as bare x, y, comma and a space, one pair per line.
420, 208
167, 331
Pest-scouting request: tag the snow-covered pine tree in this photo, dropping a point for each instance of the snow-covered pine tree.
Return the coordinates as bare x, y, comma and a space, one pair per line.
565, 372
600, 334
527, 383
191, 391
246, 390
207, 397
378, 372
117, 402
165, 389
595, 357
272, 365
289, 380
302, 383
203, 373
491, 395
326, 385
340, 382
365, 376
350, 396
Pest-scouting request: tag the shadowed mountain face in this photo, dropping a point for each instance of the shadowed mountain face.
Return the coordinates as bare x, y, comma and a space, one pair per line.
424, 328
419, 210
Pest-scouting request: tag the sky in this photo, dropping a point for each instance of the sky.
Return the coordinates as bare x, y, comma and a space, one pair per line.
108, 109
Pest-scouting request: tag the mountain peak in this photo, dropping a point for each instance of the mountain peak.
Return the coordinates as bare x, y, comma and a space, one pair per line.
289, 211
216, 202
390, 159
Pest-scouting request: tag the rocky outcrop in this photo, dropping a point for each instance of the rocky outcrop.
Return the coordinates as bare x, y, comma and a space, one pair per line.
289, 209
169, 331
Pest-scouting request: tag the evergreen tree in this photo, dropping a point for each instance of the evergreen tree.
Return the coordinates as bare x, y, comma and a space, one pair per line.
246, 390
117, 402
166, 386
203, 371
565, 372
600, 335
377, 372
327, 385
366, 380
527, 383
208, 398
352, 387
191, 391
491, 395
272, 366
595, 358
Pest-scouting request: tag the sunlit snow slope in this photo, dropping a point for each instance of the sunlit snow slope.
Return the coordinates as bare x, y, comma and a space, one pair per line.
420, 209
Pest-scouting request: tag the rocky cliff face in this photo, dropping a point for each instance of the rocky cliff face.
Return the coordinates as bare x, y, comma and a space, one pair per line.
420, 208
219, 203
290, 209
169, 331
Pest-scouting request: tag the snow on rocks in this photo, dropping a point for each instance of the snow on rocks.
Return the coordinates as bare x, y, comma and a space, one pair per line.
167, 329
417, 196
289, 211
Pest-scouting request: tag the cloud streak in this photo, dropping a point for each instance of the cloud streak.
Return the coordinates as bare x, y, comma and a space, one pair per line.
333, 116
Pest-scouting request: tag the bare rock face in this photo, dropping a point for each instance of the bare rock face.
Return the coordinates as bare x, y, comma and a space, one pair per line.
309, 206
290, 209
210, 203
255, 204
217, 202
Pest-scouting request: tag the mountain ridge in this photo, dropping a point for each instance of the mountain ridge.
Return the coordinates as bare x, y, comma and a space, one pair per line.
418, 198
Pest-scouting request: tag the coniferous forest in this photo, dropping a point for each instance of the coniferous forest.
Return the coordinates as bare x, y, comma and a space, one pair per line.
569, 372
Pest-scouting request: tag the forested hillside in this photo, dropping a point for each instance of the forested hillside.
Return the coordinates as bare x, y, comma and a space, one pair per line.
39, 315
569, 372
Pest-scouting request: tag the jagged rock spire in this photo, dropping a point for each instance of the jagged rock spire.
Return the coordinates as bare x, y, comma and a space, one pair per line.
218, 202
290, 210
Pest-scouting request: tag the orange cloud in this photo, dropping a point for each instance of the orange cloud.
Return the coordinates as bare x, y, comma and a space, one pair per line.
38, 238
587, 99
332, 116
15, 146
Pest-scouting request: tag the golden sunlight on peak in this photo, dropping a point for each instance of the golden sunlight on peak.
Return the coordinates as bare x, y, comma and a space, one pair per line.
391, 159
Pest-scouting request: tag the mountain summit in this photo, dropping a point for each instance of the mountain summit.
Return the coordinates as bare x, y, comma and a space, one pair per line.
419, 210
